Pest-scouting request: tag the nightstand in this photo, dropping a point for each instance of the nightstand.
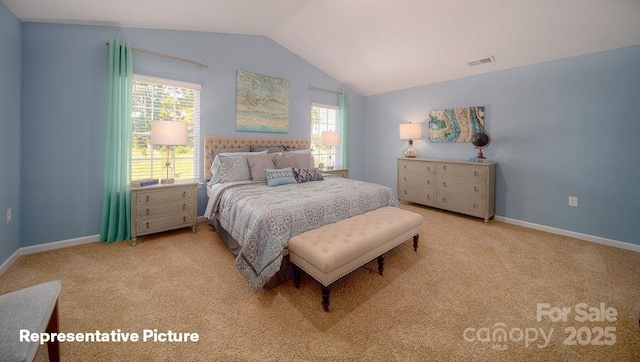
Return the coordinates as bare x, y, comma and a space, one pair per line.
336, 171
163, 207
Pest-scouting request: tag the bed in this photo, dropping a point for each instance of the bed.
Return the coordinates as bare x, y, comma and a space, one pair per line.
256, 218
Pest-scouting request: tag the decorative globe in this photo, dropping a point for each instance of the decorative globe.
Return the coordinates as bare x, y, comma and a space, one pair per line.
480, 140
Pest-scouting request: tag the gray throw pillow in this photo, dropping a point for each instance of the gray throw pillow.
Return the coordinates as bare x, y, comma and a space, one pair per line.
258, 163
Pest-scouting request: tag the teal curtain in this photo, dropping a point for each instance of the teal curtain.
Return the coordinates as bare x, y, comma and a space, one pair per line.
116, 199
343, 115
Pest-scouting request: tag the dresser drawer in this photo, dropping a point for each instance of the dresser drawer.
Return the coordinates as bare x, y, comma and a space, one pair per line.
416, 194
164, 196
160, 208
464, 171
164, 222
460, 203
420, 168
417, 180
460, 185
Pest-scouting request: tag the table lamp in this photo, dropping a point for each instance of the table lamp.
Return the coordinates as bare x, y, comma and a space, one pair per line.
330, 139
410, 131
168, 134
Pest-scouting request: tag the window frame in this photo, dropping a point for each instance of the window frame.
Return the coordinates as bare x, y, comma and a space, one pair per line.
157, 153
319, 152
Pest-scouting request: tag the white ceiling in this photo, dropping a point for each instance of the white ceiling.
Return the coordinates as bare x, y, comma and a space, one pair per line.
377, 46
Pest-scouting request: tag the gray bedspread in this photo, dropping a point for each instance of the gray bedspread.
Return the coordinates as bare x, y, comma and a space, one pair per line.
263, 219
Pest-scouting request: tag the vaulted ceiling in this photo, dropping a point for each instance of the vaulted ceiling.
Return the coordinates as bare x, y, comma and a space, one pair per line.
377, 46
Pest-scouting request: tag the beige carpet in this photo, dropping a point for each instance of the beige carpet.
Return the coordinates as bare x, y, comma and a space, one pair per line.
465, 275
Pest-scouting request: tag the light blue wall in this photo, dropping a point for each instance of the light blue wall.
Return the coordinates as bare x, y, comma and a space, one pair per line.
564, 128
10, 64
64, 79
569, 127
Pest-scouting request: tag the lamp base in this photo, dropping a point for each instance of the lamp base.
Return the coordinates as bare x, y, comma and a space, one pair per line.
410, 152
166, 181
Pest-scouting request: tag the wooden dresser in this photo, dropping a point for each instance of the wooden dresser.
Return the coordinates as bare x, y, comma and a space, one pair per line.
460, 186
163, 207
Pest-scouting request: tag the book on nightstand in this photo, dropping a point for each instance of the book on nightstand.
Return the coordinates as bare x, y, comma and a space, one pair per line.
145, 182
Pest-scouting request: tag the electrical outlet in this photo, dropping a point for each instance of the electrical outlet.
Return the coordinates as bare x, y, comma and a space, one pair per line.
9, 215
573, 201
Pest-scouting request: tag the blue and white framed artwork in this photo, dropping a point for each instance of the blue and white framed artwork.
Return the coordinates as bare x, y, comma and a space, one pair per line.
262, 103
455, 125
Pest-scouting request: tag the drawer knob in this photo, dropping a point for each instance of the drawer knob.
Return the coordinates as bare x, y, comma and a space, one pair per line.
405, 191
475, 206
184, 194
405, 178
184, 206
475, 189
444, 184
428, 182
147, 198
444, 167
147, 211
444, 199
184, 219
475, 173
405, 166
147, 225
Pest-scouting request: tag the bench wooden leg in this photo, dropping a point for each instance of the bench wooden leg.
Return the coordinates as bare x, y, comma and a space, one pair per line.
415, 242
325, 297
296, 276
52, 327
381, 264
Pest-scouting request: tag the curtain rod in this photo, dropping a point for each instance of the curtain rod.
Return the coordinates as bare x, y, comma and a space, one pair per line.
325, 89
167, 56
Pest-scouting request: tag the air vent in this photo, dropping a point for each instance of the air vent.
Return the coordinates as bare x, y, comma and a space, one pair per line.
481, 61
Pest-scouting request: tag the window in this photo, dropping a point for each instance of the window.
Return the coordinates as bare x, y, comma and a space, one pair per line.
156, 99
323, 118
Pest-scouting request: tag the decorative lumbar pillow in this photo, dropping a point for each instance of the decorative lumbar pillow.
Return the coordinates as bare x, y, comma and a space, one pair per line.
234, 168
258, 162
286, 161
281, 176
307, 174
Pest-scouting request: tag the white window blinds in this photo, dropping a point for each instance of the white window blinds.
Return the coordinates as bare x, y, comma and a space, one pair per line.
155, 99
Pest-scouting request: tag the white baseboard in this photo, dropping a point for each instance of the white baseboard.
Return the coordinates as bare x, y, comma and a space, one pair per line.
7, 263
46, 247
573, 234
94, 238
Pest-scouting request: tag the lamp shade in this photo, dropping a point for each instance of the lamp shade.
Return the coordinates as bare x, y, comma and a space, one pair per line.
168, 133
409, 131
330, 138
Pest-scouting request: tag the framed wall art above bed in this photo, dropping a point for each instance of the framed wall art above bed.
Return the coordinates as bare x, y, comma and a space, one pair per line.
262, 103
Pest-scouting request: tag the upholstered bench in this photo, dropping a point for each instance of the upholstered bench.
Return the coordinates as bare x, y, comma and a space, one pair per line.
33, 309
335, 250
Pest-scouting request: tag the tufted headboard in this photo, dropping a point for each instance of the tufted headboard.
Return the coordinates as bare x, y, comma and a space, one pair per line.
228, 143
